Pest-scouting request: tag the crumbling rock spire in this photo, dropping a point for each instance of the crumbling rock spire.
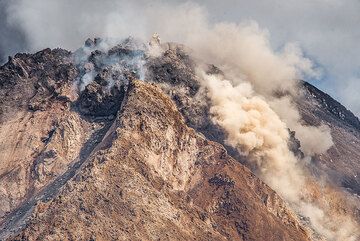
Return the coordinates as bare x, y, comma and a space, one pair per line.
155, 40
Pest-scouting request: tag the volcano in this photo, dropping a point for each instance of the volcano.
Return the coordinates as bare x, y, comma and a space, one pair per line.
121, 144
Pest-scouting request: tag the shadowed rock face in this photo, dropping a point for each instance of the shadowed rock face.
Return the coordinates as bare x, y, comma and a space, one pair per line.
95, 100
331, 107
34, 81
341, 161
118, 158
109, 73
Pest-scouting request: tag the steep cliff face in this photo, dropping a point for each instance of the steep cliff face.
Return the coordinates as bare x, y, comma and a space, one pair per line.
47, 127
39, 137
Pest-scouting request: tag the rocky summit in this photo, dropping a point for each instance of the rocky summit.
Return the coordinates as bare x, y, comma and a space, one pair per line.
115, 145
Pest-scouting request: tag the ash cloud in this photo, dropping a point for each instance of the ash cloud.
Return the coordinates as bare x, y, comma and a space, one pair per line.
12, 38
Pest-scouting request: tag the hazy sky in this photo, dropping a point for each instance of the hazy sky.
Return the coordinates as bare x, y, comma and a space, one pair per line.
327, 30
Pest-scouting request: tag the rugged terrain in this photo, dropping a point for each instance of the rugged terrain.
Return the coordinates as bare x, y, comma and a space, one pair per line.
121, 159
341, 161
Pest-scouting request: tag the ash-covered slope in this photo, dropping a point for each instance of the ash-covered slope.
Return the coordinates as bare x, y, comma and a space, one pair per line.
342, 161
117, 161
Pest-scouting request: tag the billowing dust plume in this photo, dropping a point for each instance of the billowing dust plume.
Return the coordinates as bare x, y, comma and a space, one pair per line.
253, 103
258, 132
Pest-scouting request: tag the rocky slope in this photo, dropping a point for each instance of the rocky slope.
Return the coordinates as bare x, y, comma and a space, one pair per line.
81, 167
90, 153
341, 162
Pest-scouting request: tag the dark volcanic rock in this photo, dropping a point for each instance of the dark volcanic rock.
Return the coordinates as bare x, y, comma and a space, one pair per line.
341, 161
111, 72
97, 100
332, 106
35, 81
295, 145
174, 67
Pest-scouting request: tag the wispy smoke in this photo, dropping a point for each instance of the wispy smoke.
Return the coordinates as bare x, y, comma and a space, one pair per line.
114, 57
253, 103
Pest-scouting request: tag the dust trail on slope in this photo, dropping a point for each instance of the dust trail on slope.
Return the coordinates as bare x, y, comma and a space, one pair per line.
258, 132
